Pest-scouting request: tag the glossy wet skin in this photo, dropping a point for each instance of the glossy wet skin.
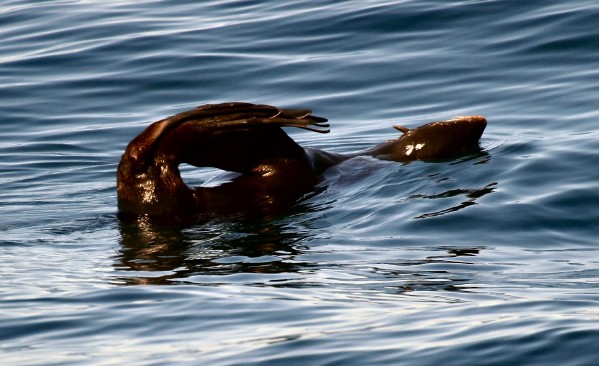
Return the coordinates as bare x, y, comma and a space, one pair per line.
436, 140
248, 139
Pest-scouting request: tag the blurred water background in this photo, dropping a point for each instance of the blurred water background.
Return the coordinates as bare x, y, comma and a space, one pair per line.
487, 260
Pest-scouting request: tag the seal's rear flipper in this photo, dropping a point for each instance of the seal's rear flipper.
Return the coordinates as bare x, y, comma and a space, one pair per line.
240, 137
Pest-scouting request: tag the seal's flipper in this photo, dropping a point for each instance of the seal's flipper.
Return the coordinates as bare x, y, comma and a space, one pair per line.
238, 137
239, 115
214, 118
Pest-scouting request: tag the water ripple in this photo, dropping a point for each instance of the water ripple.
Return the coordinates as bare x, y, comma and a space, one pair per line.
488, 259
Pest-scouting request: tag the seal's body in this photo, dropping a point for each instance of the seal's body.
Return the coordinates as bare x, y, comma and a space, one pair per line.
248, 139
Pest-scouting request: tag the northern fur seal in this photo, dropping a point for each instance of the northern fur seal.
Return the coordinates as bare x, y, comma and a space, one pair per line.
248, 139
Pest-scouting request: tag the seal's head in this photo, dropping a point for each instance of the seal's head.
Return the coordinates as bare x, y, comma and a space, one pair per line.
435, 140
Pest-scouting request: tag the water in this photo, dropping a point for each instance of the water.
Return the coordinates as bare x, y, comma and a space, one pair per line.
486, 260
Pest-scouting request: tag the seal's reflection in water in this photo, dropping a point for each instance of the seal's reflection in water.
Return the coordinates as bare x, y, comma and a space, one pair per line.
214, 252
471, 195
166, 254
439, 280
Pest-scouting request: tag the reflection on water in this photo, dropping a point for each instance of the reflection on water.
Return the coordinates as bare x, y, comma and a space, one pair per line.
216, 248
289, 244
354, 279
218, 251
471, 196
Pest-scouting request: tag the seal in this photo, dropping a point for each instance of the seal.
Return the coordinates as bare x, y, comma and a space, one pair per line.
274, 171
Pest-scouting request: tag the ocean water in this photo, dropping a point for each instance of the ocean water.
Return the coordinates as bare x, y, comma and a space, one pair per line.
490, 259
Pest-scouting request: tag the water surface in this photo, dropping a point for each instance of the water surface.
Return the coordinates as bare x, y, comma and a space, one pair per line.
485, 260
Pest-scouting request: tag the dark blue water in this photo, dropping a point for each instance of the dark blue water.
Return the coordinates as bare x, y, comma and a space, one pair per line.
486, 260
